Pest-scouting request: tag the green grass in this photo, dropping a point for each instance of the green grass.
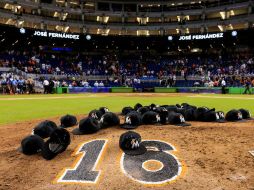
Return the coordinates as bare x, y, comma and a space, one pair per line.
25, 109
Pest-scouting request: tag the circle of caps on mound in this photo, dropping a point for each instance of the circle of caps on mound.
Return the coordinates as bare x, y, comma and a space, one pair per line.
49, 140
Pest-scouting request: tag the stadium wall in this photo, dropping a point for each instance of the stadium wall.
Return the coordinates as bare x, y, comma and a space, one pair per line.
215, 90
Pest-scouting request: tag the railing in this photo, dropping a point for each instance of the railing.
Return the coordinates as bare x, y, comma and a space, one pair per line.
74, 23
130, 26
176, 10
5, 69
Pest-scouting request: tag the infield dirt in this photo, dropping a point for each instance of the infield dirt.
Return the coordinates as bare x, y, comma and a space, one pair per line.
214, 155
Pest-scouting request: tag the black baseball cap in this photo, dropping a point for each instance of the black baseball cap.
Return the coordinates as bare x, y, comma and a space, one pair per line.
177, 119
221, 116
180, 110
143, 110
132, 120
189, 114
171, 108
109, 119
87, 125
246, 114
212, 116
126, 110
234, 115
199, 113
137, 106
187, 106
44, 129
96, 114
150, 118
178, 105
163, 112
130, 143
104, 110
68, 121
31, 144
57, 143
152, 106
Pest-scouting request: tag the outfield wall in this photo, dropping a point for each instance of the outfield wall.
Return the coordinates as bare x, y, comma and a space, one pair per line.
215, 90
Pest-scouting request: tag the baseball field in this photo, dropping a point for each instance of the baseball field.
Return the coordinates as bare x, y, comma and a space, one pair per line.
207, 155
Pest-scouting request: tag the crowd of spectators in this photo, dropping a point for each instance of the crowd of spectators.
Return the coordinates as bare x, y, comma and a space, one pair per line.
15, 84
128, 70
41, 62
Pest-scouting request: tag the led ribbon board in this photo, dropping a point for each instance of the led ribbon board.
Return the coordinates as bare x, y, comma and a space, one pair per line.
56, 35
201, 36
198, 37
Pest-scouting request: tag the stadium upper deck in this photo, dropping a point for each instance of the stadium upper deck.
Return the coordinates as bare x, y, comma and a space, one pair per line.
111, 17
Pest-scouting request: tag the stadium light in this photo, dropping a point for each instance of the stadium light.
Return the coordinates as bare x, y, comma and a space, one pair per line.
22, 30
88, 37
234, 33
170, 38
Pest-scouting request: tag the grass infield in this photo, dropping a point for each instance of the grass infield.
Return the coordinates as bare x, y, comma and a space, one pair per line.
28, 107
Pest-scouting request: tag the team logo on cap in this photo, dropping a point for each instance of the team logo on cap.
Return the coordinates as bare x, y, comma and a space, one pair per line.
128, 120
239, 116
182, 120
158, 118
101, 120
134, 144
221, 114
94, 115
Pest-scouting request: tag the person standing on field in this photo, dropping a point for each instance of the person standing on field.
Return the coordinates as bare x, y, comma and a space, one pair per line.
46, 86
247, 87
223, 85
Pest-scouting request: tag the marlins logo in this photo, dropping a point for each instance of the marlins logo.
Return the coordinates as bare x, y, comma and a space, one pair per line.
101, 120
221, 114
217, 116
158, 118
134, 143
182, 119
239, 115
128, 120
93, 115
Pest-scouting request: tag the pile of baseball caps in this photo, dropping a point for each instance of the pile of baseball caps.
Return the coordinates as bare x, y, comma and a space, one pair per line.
47, 139
50, 140
97, 120
177, 115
